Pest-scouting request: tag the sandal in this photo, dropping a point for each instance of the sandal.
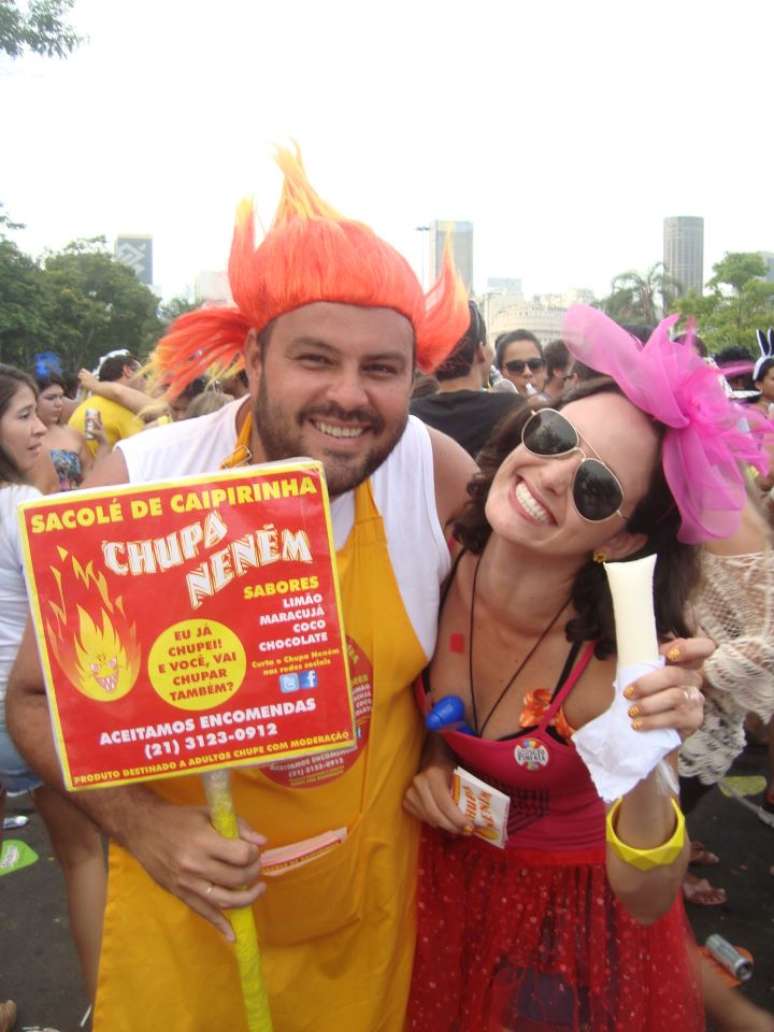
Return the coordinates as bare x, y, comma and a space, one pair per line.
701, 855
699, 891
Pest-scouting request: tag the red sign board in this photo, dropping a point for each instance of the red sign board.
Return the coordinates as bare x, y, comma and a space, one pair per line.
189, 625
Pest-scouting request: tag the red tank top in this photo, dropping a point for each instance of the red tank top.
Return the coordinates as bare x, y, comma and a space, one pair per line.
554, 805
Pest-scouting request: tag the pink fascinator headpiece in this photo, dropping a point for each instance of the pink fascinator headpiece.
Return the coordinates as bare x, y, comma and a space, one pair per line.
707, 439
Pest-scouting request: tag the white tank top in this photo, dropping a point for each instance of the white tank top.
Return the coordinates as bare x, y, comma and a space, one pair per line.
14, 610
403, 490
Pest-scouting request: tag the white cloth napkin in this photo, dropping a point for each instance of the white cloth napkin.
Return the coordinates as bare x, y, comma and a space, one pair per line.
616, 755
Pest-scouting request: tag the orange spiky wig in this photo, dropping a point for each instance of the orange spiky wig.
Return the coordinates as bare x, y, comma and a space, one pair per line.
310, 253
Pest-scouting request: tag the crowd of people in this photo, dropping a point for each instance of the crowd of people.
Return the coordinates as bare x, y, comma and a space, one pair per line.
477, 490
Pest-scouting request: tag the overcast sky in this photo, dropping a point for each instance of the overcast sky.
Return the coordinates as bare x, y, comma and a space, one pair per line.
564, 131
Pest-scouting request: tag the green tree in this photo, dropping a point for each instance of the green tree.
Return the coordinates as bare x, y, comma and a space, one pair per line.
24, 325
79, 302
636, 298
97, 304
739, 301
736, 270
41, 29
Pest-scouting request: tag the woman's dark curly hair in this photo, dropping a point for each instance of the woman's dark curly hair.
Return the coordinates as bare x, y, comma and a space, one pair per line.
657, 516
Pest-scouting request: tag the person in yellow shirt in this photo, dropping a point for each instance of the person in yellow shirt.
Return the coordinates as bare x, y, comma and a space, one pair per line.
117, 420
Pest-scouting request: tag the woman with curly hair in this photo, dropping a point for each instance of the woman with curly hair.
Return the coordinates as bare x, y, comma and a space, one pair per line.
578, 922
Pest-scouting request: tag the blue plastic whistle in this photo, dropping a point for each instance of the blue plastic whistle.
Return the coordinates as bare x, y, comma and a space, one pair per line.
448, 714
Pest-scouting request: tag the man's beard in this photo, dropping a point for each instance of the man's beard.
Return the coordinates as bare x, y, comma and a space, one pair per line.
282, 438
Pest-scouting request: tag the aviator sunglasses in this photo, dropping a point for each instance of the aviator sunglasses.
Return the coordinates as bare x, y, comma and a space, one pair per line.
596, 491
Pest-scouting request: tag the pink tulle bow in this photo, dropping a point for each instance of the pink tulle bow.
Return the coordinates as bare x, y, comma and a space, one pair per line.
708, 438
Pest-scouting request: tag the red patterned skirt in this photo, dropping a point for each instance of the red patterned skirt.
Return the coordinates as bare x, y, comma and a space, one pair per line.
522, 942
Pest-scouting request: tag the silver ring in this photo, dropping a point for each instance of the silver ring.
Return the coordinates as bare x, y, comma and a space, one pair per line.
208, 890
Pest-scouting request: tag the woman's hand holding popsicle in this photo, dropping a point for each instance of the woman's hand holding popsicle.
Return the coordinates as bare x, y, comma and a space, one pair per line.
671, 696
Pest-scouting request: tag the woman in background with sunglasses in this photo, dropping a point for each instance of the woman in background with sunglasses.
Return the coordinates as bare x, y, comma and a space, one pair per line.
519, 357
577, 923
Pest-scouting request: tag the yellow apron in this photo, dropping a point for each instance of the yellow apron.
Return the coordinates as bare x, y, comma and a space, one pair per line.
337, 935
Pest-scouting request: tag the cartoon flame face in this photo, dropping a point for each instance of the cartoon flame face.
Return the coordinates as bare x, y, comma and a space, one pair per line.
101, 657
104, 669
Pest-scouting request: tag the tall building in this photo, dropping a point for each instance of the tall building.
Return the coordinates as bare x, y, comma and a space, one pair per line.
461, 235
137, 253
684, 251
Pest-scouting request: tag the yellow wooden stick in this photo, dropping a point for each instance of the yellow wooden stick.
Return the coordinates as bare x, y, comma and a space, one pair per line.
218, 789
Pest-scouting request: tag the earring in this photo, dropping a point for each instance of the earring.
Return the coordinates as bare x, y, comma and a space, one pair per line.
600, 557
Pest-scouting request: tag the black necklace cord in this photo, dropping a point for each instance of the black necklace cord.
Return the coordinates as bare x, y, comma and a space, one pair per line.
480, 730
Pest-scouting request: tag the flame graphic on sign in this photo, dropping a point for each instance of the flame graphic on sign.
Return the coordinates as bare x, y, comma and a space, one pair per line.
96, 644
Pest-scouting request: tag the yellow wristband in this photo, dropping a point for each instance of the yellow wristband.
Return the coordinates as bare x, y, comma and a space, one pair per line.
646, 859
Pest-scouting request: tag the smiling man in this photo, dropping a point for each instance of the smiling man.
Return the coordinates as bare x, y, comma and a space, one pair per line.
329, 322
331, 381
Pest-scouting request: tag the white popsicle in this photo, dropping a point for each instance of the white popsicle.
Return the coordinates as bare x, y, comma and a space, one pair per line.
631, 585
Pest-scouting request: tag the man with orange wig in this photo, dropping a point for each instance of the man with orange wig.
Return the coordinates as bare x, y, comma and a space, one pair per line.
329, 322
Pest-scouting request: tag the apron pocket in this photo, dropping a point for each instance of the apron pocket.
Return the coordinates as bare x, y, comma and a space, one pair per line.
319, 898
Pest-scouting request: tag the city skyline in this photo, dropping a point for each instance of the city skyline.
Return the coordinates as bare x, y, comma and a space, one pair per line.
136, 134
211, 283
683, 249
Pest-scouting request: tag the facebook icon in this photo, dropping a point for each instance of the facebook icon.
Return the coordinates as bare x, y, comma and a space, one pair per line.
289, 683
308, 679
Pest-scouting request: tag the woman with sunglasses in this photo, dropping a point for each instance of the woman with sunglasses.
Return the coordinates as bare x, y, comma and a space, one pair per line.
577, 923
519, 357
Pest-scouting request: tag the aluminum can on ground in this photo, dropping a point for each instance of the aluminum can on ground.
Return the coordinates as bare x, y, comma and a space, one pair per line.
730, 957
